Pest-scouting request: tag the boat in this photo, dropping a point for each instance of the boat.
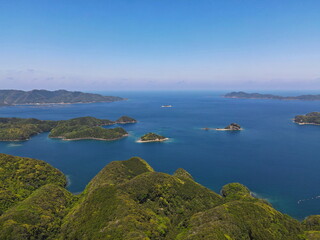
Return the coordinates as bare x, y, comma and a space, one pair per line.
166, 106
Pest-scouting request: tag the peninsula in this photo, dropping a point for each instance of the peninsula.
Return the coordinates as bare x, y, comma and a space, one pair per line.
152, 137
244, 95
38, 97
129, 200
312, 118
20, 129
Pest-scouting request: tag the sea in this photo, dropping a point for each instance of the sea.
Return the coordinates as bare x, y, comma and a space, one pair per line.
275, 158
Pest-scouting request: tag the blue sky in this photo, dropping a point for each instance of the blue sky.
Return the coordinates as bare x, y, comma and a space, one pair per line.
160, 44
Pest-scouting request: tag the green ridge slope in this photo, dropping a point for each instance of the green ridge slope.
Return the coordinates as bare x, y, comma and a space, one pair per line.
19, 177
37, 217
129, 200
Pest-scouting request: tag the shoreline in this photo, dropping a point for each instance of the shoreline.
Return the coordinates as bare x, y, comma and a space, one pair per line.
158, 140
285, 99
126, 122
59, 103
15, 140
90, 138
223, 129
220, 129
317, 124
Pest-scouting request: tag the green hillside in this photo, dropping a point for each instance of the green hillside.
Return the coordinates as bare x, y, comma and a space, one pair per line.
129, 200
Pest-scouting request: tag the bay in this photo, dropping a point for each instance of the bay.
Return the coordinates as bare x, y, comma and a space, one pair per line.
277, 159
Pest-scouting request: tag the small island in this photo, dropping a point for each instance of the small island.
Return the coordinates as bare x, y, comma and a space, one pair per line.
126, 120
312, 118
244, 95
152, 137
230, 127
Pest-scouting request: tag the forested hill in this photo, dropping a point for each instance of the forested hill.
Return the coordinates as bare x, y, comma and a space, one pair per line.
19, 97
129, 200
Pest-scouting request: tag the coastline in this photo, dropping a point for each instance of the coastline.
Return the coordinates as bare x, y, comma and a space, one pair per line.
220, 129
317, 124
90, 138
125, 122
283, 99
158, 140
15, 140
223, 129
60, 103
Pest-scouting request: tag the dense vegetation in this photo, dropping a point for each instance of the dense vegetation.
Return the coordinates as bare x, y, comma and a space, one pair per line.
152, 137
86, 128
19, 129
83, 132
126, 119
129, 200
309, 118
271, 96
18, 97
19, 177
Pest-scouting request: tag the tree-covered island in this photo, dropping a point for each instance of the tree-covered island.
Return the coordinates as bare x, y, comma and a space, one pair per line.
152, 137
244, 95
20, 129
125, 120
38, 97
310, 118
129, 200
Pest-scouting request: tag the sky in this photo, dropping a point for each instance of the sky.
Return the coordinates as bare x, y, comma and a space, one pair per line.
160, 44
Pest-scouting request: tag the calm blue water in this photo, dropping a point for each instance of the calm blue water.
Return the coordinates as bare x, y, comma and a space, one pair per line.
275, 158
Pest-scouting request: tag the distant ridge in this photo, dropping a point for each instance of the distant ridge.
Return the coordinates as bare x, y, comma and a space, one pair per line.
33, 97
245, 95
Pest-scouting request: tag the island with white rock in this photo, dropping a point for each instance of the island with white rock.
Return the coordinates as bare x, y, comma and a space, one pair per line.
230, 127
152, 137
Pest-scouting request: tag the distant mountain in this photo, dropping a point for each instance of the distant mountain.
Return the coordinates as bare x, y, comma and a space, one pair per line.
18, 97
245, 95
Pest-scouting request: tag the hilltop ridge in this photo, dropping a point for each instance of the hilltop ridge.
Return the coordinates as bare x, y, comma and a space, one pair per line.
129, 200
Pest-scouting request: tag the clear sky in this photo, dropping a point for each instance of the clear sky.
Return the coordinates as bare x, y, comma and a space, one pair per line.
160, 44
